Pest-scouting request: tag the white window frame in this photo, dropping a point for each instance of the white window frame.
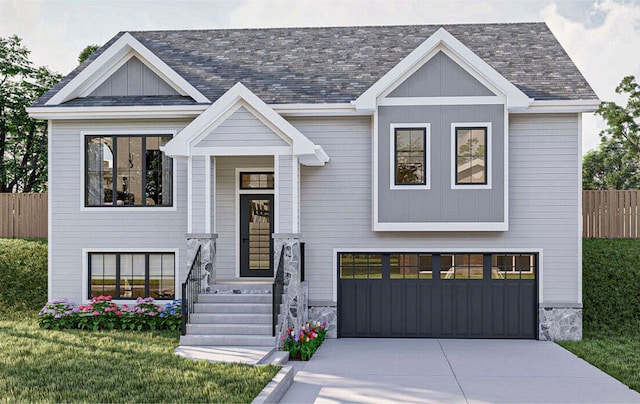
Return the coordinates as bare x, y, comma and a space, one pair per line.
427, 156
116, 132
488, 163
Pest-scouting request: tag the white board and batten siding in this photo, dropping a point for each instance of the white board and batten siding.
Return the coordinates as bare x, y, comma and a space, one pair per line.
335, 202
75, 228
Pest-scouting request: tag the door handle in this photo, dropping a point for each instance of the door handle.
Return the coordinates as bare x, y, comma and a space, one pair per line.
244, 240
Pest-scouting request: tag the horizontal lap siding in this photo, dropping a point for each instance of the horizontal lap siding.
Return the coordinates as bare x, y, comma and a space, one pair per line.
543, 210
73, 229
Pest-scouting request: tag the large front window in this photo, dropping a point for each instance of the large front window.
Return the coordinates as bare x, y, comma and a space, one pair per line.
127, 171
132, 275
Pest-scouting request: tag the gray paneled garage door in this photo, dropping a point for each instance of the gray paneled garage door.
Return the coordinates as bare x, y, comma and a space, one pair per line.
437, 295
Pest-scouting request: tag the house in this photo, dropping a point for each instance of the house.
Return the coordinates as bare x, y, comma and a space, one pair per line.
395, 181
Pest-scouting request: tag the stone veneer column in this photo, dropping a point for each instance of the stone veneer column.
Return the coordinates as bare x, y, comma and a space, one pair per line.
207, 256
294, 308
560, 323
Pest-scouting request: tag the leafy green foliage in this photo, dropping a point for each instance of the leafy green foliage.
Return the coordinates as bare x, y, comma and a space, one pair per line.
302, 345
23, 275
87, 51
40, 365
611, 285
610, 167
617, 355
623, 121
23, 141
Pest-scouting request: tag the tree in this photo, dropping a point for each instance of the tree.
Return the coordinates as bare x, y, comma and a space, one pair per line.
623, 122
616, 163
23, 140
87, 51
610, 167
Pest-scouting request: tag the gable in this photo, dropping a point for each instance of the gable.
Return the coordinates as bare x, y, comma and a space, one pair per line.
133, 78
242, 129
441, 77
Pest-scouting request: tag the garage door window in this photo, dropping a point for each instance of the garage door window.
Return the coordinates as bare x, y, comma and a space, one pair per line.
513, 266
411, 266
461, 266
360, 266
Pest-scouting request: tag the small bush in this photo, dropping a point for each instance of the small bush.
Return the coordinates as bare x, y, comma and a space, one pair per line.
104, 314
611, 285
23, 275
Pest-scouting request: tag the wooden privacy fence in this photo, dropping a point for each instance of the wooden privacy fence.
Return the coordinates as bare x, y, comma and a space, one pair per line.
611, 214
23, 215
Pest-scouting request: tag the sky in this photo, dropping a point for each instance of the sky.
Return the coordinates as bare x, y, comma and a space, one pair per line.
601, 36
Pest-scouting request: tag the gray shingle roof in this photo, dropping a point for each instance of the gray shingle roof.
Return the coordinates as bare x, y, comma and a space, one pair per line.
337, 64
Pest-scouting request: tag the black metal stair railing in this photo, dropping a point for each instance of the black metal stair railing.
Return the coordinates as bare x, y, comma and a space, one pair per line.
190, 289
277, 292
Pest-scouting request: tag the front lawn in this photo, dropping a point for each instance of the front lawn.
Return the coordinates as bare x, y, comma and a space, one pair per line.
114, 366
616, 355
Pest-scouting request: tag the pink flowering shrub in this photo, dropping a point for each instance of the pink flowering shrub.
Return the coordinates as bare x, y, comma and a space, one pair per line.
103, 313
303, 344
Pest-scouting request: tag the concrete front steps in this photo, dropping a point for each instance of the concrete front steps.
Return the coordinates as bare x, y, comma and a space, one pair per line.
232, 315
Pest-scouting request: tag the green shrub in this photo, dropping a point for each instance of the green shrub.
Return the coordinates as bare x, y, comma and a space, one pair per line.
611, 285
23, 275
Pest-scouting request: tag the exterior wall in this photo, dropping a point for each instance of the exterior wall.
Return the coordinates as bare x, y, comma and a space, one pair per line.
441, 203
75, 227
285, 195
440, 77
226, 205
335, 203
133, 78
242, 128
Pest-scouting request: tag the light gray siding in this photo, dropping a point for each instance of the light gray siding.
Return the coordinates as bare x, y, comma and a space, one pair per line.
133, 78
440, 77
242, 128
285, 194
226, 218
100, 228
336, 201
441, 203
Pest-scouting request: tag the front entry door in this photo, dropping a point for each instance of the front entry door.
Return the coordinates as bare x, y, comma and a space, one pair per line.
256, 228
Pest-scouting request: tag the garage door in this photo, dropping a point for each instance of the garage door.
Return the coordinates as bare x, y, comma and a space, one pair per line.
442, 295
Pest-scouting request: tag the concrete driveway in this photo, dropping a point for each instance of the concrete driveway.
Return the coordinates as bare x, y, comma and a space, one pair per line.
451, 371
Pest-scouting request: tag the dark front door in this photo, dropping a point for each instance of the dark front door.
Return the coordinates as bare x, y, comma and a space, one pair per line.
437, 295
256, 228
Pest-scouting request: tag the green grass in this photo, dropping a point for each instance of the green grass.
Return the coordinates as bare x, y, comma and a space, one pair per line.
109, 366
616, 355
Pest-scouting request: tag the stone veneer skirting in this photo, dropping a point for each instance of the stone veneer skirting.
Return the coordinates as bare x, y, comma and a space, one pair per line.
559, 323
328, 314
207, 242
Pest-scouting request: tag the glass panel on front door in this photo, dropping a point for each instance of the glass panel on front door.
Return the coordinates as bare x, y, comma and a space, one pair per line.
256, 258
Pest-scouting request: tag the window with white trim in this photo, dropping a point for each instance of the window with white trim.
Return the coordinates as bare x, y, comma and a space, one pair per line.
471, 155
129, 275
128, 170
409, 156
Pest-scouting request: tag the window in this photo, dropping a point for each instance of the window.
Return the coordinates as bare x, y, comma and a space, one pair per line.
461, 266
410, 150
132, 275
127, 171
410, 266
513, 266
258, 180
471, 156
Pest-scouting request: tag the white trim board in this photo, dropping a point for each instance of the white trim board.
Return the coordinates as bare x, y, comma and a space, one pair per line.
443, 40
111, 59
440, 250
